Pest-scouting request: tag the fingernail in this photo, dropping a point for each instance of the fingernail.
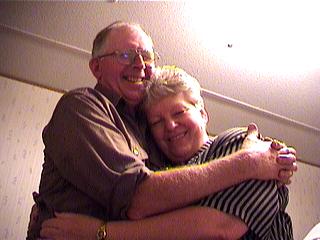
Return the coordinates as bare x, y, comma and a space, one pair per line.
284, 156
284, 151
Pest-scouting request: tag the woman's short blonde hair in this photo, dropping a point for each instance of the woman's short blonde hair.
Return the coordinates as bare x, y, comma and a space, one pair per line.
171, 80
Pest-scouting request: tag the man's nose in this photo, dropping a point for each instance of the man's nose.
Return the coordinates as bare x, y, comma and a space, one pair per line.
138, 61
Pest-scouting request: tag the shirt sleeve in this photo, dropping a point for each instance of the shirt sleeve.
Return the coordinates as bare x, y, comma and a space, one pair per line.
93, 150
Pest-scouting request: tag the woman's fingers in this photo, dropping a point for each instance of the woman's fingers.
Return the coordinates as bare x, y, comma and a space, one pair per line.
285, 176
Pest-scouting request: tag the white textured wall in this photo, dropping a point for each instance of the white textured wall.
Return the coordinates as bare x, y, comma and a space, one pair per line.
24, 111
304, 207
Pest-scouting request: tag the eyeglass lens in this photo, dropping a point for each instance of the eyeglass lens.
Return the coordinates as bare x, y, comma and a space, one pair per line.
128, 57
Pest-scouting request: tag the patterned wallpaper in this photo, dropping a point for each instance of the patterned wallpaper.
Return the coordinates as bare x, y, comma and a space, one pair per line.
24, 111
304, 202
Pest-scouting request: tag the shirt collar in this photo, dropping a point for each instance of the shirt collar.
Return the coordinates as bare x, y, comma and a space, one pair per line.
197, 157
111, 95
118, 102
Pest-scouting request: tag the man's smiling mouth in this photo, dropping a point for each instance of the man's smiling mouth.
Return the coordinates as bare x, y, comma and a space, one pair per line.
135, 80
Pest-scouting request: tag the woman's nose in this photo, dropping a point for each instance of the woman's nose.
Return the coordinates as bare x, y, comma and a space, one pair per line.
171, 124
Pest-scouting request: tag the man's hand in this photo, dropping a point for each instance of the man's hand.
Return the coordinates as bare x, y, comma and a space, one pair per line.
272, 158
287, 158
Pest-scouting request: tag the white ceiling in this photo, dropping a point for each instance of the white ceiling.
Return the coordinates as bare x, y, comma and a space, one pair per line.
259, 59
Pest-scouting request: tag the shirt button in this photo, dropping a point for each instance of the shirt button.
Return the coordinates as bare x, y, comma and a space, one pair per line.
135, 151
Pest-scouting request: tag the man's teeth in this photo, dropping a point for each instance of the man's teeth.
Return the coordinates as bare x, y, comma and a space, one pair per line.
134, 80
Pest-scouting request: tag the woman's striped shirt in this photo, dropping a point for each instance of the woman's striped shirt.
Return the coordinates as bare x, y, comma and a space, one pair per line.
260, 204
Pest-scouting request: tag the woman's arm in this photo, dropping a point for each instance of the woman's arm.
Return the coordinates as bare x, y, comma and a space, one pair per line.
184, 224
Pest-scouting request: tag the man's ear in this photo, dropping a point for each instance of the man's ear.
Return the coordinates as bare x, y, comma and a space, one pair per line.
95, 67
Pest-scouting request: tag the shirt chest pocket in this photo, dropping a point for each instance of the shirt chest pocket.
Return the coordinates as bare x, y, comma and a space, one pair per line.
139, 152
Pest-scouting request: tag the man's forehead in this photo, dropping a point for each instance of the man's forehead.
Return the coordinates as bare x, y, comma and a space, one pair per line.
122, 37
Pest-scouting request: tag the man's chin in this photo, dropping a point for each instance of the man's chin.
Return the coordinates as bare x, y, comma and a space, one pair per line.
133, 100
133, 92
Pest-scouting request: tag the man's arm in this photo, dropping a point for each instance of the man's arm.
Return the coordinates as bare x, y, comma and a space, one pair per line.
177, 188
87, 142
189, 223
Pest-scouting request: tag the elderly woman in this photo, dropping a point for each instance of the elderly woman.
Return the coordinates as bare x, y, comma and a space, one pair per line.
255, 209
177, 118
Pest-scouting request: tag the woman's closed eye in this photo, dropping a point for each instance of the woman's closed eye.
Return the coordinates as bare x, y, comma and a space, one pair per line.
180, 112
154, 123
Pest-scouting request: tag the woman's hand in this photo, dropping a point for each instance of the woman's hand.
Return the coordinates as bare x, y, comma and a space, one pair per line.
70, 226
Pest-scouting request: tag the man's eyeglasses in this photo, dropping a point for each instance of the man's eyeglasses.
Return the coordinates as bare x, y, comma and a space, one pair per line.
128, 57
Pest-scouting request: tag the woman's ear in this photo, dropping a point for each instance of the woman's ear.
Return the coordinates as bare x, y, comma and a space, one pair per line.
94, 65
204, 114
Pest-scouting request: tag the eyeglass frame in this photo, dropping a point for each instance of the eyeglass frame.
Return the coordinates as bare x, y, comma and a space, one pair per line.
138, 52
